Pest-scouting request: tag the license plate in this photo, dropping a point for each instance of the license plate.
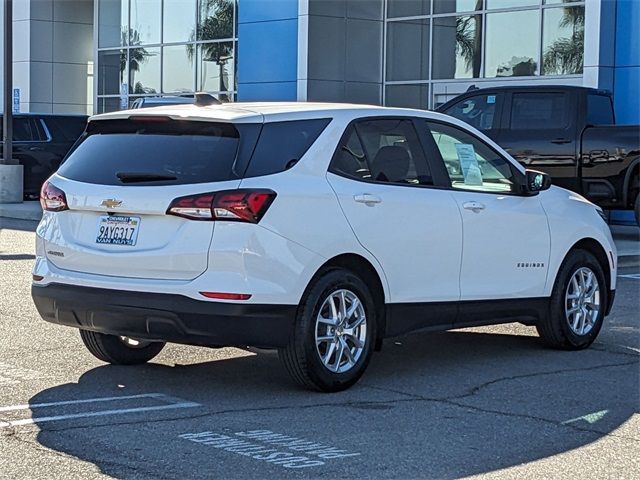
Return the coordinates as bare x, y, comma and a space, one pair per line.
118, 230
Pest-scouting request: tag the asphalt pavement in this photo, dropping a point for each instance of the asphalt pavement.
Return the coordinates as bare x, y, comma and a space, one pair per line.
488, 402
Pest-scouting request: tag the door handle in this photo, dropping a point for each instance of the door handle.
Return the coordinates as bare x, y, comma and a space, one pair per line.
475, 207
367, 199
560, 141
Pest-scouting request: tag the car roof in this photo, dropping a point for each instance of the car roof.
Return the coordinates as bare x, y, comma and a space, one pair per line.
260, 111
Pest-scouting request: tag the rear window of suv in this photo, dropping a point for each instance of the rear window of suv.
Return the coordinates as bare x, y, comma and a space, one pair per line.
174, 152
161, 152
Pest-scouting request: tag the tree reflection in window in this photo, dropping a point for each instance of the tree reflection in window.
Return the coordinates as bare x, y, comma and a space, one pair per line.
215, 22
563, 41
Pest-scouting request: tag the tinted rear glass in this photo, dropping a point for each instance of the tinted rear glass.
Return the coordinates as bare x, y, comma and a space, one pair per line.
599, 110
545, 111
282, 144
65, 129
175, 152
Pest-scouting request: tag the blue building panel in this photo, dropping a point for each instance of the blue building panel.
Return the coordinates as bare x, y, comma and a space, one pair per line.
267, 50
269, 92
627, 62
266, 10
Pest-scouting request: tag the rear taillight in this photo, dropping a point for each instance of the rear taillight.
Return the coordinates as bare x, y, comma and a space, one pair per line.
52, 198
243, 205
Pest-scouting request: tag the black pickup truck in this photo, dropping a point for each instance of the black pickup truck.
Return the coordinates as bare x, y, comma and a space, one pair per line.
40, 142
567, 132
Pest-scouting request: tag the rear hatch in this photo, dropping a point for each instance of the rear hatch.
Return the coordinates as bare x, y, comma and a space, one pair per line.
119, 182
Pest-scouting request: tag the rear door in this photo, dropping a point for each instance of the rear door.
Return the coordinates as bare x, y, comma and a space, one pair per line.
385, 188
119, 183
540, 132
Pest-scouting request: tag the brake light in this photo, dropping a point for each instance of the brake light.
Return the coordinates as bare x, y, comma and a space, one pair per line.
52, 198
243, 205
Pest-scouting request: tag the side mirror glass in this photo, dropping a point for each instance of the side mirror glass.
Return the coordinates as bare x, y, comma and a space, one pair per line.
537, 181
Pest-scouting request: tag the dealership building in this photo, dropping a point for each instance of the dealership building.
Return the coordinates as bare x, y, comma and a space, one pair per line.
100, 55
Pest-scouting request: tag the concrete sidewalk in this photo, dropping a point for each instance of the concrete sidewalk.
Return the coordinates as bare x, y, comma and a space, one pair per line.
627, 238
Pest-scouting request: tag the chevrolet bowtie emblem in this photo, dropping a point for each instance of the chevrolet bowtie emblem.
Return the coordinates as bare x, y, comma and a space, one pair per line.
111, 203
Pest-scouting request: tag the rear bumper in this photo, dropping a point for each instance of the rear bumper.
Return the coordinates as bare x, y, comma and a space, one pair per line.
171, 318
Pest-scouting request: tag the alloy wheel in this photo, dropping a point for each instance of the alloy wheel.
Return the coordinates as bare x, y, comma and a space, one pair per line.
582, 301
341, 331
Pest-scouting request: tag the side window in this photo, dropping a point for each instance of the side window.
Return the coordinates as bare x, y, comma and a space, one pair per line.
539, 111
471, 163
22, 129
282, 144
478, 111
385, 151
599, 110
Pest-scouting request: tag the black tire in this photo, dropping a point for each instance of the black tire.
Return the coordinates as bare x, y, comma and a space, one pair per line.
301, 357
112, 349
637, 209
554, 329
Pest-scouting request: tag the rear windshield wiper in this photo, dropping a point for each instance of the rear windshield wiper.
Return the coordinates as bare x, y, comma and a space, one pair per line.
132, 177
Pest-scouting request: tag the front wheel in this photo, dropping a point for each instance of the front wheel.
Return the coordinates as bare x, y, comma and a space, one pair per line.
333, 337
577, 304
119, 350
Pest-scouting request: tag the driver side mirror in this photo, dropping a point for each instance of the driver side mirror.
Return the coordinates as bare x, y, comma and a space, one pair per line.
537, 181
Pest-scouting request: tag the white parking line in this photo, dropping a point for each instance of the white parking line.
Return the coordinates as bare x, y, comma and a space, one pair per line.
76, 402
635, 276
171, 404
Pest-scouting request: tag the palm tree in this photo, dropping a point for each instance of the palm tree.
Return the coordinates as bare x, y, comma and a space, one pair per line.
216, 22
469, 40
566, 54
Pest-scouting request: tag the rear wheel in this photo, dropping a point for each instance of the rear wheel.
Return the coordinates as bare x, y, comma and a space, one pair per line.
577, 304
637, 209
119, 350
334, 333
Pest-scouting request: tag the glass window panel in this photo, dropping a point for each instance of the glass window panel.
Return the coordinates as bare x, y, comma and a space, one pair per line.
408, 50
179, 20
562, 40
113, 19
512, 44
112, 66
599, 110
456, 47
495, 4
544, 111
215, 19
178, 72
216, 67
478, 111
471, 163
409, 96
144, 70
408, 8
454, 6
145, 22
108, 104
558, 2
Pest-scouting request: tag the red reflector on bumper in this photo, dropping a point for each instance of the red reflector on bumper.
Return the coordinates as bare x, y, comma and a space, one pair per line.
226, 296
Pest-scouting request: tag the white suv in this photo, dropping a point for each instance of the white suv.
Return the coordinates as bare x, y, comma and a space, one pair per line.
316, 229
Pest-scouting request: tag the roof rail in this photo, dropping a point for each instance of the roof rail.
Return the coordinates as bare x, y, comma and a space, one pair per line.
205, 99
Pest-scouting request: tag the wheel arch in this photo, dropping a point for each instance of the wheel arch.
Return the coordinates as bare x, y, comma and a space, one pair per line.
362, 267
594, 247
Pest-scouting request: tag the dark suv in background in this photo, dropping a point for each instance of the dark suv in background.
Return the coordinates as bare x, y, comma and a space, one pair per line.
40, 142
568, 132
